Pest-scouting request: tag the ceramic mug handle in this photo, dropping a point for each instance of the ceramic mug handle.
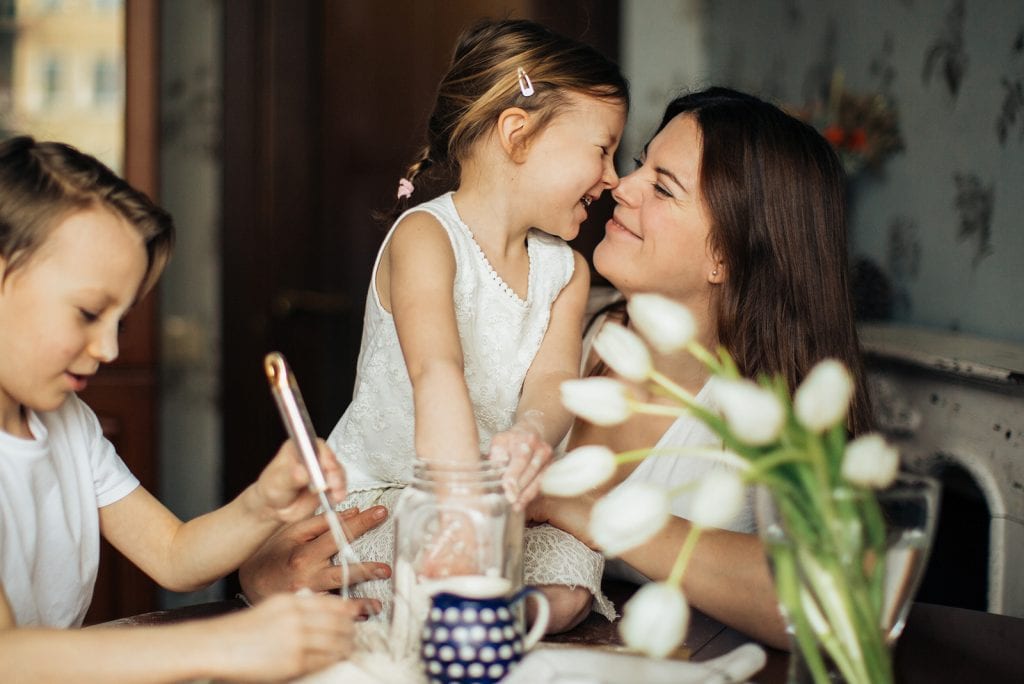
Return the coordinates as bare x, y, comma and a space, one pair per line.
540, 622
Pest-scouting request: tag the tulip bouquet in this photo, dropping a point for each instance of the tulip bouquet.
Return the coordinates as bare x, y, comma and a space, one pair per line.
829, 570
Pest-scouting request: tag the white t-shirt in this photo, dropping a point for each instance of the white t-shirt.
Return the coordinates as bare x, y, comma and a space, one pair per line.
51, 489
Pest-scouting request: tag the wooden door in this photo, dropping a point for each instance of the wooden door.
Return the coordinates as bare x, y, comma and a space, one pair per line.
124, 394
324, 103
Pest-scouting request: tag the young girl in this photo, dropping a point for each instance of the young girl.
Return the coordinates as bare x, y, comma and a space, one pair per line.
474, 311
78, 247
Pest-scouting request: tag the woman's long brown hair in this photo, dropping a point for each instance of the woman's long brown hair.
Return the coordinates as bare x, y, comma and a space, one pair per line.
774, 189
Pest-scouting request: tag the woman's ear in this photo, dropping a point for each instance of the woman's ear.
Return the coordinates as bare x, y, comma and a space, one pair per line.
513, 124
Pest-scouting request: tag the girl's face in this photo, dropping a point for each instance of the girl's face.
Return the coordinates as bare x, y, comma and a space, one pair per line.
61, 310
657, 238
570, 163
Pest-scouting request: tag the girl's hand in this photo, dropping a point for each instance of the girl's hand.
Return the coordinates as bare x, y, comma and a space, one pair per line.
455, 548
286, 636
284, 483
526, 454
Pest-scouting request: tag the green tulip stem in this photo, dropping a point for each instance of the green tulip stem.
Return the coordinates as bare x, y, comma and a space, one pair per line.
716, 454
657, 409
700, 353
675, 577
673, 388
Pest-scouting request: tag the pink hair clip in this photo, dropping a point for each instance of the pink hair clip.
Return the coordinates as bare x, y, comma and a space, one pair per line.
405, 188
525, 84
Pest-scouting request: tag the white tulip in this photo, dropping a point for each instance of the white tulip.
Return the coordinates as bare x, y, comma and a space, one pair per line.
579, 471
754, 414
602, 401
823, 398
870, 462
718, 500
668, 325
655, 619
624, 352
628, 516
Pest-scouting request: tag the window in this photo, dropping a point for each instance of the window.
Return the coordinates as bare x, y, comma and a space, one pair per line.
51, 81
62, 73
106, 82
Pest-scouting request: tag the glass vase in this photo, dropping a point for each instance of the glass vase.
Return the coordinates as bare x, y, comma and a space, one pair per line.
846, 569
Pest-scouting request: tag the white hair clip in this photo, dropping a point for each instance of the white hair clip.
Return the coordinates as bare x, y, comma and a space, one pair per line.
525, 84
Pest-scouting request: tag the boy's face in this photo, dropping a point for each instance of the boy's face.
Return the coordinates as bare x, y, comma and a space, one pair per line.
60, 311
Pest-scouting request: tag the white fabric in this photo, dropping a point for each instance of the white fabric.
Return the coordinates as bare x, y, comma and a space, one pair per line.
500, 335
51, 488
589, 666
673, 471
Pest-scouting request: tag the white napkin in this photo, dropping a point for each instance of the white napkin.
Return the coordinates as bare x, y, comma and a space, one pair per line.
588, 666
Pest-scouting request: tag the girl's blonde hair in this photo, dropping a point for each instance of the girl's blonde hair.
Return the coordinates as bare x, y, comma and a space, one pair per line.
482, 81
43, 183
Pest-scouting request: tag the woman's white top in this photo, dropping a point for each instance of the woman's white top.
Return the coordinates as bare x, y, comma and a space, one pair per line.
500, 334
674, 471
51, 489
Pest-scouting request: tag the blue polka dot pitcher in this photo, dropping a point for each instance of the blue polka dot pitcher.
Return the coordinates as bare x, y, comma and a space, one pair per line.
473, 635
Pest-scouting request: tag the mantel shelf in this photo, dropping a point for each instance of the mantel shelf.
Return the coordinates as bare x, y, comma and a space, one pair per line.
946, 351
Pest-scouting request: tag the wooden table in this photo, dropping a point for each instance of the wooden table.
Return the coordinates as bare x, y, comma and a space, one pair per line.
940, 644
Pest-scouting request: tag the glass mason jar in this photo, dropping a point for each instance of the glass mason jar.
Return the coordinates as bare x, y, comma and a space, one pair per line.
452, 521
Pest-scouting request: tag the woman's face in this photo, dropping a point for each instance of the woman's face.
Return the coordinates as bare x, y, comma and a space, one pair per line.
657, 238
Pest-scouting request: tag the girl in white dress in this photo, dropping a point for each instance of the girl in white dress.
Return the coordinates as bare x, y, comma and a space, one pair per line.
474, 311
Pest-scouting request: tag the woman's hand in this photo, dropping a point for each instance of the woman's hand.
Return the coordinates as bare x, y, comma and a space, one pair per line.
523, 449
286, 636
283, 486
299, 556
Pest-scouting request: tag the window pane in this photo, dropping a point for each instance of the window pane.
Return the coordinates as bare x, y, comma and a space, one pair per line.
62, 73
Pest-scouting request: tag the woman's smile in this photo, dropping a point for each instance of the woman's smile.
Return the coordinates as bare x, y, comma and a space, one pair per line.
615, 228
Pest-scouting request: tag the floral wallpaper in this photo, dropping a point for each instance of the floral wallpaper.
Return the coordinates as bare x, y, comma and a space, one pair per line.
937, 234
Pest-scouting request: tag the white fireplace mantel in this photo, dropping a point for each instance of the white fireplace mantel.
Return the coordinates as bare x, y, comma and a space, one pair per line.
947, 398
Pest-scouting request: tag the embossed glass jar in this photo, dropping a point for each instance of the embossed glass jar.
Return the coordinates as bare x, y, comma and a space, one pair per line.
453, 520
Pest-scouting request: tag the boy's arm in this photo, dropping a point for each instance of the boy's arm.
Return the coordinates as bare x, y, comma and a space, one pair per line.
187, 556
541, 420
420, 272
284, 637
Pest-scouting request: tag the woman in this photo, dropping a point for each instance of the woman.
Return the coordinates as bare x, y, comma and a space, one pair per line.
736, 211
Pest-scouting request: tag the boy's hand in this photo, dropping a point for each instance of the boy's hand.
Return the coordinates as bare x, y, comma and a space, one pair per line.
284, 483
526, 454
286, 636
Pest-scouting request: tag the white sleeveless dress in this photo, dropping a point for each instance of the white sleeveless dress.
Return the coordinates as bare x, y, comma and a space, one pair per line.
500, 334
